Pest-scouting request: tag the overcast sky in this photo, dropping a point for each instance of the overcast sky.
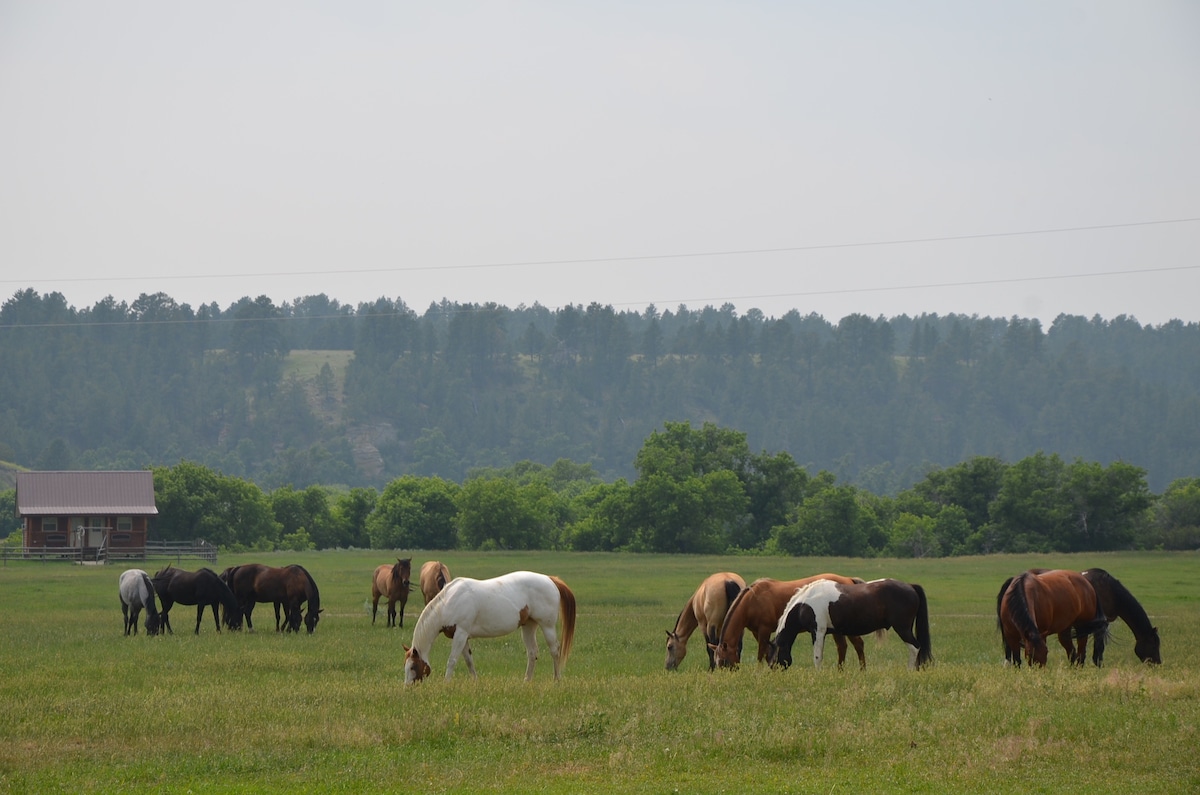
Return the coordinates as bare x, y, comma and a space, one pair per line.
769, 155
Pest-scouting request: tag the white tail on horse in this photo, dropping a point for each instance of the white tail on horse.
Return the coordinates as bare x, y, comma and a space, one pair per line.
489, 609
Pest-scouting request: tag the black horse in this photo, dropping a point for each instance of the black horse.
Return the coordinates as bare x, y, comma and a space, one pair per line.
288, 587
202, 588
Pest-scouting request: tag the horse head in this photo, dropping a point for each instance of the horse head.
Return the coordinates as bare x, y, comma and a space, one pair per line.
402, 572
1147, 648
153, 623
778, 656
676, 650
726, 654
415, 669
311, 620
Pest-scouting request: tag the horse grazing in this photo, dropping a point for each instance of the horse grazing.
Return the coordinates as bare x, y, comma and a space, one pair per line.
489, 609
286, 586
705, 610
855, 609
758, 609
434, 576
1037, 604
137, 592
391, 580
202, 588
1117, 602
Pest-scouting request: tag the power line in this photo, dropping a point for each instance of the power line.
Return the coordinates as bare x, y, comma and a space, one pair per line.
633, 258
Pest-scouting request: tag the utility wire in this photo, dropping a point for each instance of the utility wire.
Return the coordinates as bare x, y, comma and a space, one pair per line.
599, 260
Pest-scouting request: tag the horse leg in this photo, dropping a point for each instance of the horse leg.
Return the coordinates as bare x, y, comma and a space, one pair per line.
456, 648
199, 616
818, 646
1064, 640
857, 643
134, 612
125, 616
374, 607
277, 606
528, 635
216, 615
914, 648
165, 615
247, 609
840, 642
402, 601
391, 612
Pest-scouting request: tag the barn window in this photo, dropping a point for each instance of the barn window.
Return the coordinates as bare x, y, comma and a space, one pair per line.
49, 524
118, 538
124, 524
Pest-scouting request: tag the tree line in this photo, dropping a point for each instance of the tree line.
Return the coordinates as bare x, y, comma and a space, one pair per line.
876, 402
697, 490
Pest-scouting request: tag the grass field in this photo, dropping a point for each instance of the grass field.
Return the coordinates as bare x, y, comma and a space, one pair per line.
85, 709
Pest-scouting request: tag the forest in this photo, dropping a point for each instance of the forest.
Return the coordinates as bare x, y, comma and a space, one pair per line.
315, 395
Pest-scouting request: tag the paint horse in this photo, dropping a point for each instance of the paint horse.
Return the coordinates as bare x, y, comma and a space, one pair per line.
391, 580
137, 592
1036, 605
202, 588
288, 587
758, 609
855, 609
705, 611
490, 609
434, 576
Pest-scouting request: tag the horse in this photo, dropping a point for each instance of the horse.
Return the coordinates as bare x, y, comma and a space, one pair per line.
490, 609
286, 586
758, 609
1117, 602
1037, 604
434, 576
137, 592
705, 610
391, 580
855, 609
202, 588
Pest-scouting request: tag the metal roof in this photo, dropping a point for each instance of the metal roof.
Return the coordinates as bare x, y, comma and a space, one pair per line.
80, 493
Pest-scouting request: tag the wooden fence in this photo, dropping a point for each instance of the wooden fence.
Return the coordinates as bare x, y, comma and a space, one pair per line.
154, 550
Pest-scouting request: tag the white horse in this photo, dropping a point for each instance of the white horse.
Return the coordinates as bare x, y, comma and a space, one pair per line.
468, 608
137, 592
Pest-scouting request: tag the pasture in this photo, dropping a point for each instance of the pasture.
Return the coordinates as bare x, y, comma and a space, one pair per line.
85, 709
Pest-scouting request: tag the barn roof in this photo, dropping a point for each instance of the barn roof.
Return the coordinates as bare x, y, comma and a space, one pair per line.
78, 493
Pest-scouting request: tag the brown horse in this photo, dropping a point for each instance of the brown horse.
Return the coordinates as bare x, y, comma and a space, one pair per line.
434, 576
758, 609
705, 610
392, 581
1038, 604
1117, 602
286, 586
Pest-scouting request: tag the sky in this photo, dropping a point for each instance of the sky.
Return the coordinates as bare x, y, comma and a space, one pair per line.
995, 159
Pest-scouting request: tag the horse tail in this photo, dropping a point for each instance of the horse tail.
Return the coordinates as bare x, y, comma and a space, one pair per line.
924, 643
732, 589
999, 599
566, 608
1018, 607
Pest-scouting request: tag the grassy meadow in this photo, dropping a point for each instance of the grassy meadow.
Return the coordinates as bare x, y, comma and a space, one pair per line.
85, 709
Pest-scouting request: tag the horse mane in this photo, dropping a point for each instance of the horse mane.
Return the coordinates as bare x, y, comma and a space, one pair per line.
429, 624
148, 596
1128, 607
314, 595
737, 600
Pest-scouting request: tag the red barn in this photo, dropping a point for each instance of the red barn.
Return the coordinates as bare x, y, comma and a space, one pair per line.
88, 513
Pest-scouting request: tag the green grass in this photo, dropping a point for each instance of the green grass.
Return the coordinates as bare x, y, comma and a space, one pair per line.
84, 709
